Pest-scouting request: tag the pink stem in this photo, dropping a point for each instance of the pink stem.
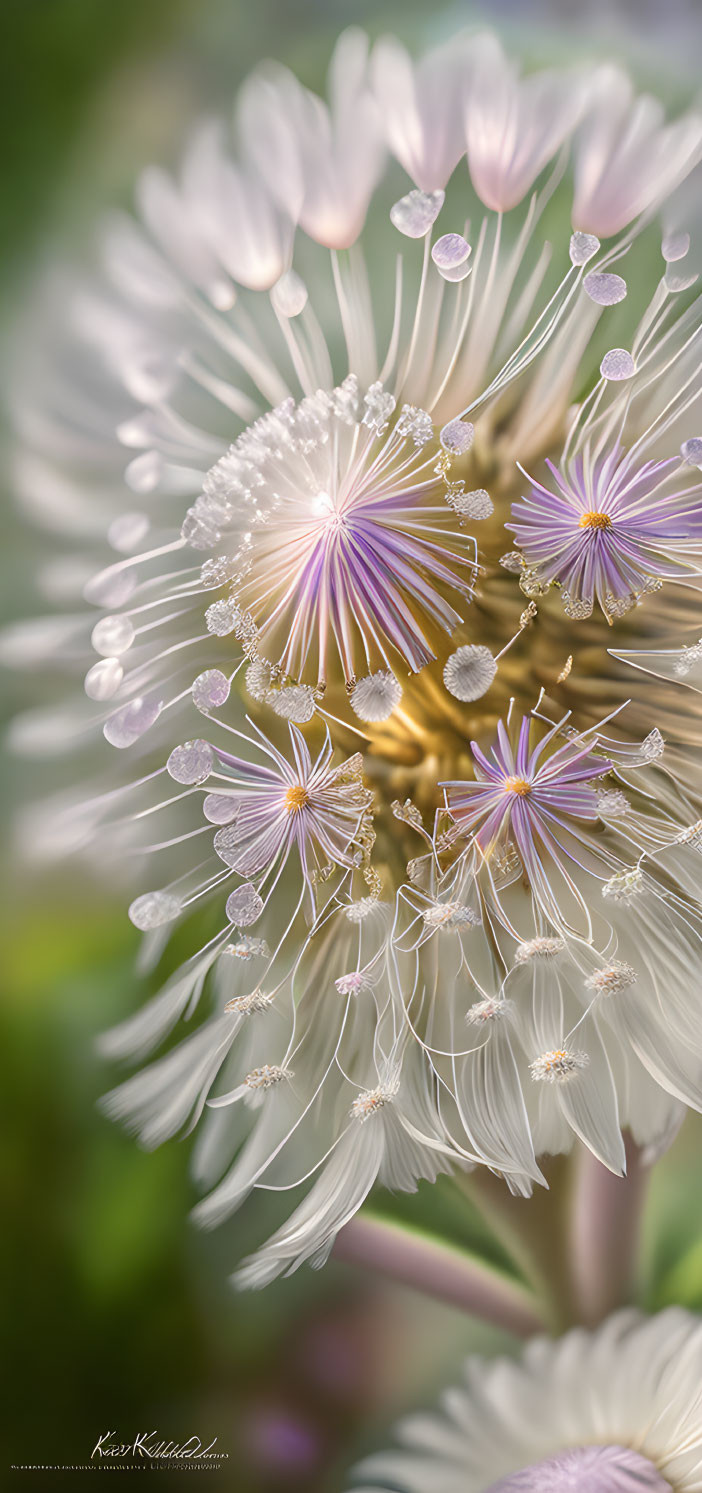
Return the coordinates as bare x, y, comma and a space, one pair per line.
440, 1271
606, 1221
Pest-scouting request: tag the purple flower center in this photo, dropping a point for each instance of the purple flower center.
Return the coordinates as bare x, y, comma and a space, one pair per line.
587, 1469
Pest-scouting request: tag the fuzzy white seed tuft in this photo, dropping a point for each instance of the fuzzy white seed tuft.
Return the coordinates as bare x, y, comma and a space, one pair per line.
558, 1066
375, 697
469, 672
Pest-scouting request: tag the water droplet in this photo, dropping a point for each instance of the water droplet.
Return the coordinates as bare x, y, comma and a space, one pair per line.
289, 296
210, 690
604, 290
127, 532
617, 364
675, 284
675, 246
414, 214
457, 436
583, 246
691, 451
227, 844
222, 618
244, 906
190, 763
104, 679
457, 273
477, 504
154, 909
144, 473
450, 251
112, 636
220, 808
111, 587
131, 721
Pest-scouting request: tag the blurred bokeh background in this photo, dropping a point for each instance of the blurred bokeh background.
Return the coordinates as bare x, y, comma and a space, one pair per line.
118, 1316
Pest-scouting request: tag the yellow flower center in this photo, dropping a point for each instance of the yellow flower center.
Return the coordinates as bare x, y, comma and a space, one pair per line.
593, 520
296, 798
520, 786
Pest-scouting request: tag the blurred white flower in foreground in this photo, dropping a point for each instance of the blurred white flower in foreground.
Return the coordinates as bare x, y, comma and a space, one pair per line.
618, 1410
449, 877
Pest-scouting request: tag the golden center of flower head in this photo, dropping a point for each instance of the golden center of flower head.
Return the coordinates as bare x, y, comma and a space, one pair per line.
591, 520
520, 786
553, 1061
296, 798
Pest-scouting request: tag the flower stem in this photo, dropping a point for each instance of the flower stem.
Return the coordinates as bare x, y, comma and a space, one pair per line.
439, 1270
605, 1224
535, 1233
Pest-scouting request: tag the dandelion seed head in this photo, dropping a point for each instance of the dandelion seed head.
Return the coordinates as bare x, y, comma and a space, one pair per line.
267, 1076
450, 915
538, 948
369, 1101
611, 978
249, 1005
357, 912
247, 948
558, 1066
352, 983
624, 886
691, 835
485, 1011
318, 551
324, 557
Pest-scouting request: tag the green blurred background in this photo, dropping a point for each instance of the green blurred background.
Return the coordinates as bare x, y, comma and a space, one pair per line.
117, 1315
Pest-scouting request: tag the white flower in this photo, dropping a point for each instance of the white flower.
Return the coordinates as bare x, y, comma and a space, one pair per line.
515, 126
289, 474
626, 159
383, 1141
423, 106
610, 1411
320, 165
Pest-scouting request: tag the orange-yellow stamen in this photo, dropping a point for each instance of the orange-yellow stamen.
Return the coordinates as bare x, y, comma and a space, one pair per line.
593, 520
296, 798
520, 786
